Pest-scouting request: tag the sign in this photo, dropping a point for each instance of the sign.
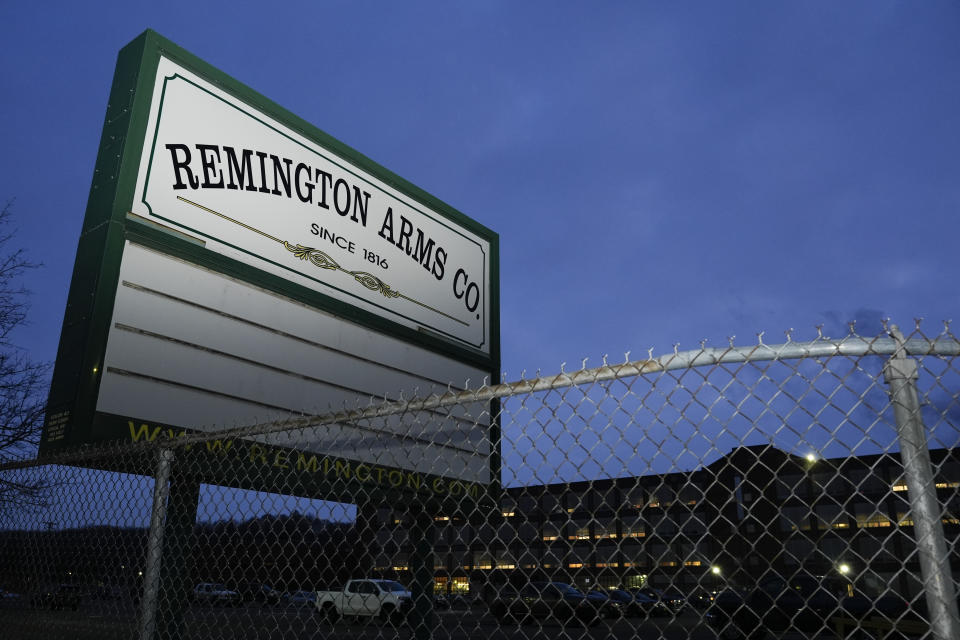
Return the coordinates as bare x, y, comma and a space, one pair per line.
238, 265
251, 188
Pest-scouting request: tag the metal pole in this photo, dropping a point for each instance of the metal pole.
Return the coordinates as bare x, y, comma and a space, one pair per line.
900, 373
151, 573
422, 618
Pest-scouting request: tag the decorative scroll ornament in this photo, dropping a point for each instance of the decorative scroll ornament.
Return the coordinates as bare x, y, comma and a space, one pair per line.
322, 260
317, 257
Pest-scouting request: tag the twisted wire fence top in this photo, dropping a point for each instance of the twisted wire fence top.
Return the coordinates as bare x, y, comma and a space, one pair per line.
944, 345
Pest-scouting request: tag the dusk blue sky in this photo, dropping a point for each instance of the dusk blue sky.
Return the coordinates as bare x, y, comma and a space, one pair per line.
658, 173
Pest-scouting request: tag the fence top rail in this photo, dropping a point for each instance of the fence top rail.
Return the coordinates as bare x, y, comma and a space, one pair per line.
849, 346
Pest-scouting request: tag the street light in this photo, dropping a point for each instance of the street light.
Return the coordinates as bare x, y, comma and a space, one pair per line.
715, 570
843, 568
811, 457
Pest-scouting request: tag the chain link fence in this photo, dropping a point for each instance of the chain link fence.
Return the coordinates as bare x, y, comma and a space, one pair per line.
797, 490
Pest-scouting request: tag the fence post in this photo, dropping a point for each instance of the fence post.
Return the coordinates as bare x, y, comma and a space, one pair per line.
173, 594
151, 573
900, 373
422, 618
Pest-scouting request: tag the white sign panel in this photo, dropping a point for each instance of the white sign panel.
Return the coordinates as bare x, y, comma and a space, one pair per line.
193, 347
255, 190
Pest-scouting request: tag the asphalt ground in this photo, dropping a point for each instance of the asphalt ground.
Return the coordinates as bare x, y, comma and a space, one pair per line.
117, 620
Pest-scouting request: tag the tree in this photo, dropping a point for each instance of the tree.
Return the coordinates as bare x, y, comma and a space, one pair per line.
23, 381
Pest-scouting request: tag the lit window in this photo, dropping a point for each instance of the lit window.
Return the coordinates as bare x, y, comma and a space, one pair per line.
507, 514
582, 533
899, 487
549, 537
692, 563
575, 565
872, 521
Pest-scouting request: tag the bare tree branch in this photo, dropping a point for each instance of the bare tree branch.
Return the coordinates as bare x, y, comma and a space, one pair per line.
23, 381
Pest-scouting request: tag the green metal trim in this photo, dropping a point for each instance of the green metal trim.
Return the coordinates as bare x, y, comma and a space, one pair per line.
76, 377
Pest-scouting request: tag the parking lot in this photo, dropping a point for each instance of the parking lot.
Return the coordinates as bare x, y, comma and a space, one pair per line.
117, 620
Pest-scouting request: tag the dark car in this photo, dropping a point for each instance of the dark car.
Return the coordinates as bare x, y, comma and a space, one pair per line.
58, 596
302, 598
549, 600
258, 592
673, 599
617, 601
801, 603
700, 599
668, 601
646, 606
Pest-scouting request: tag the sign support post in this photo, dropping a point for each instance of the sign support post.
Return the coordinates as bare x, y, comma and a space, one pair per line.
422, 532
175, 574
158, 521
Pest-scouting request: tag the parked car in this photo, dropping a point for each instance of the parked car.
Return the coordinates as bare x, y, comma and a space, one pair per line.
673, 599
214, 593
700, 599
801, 603
9, 596
669, 601
619, 601
645, 606
58, 596
259, 592
549, 600
385, 599
301, 598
